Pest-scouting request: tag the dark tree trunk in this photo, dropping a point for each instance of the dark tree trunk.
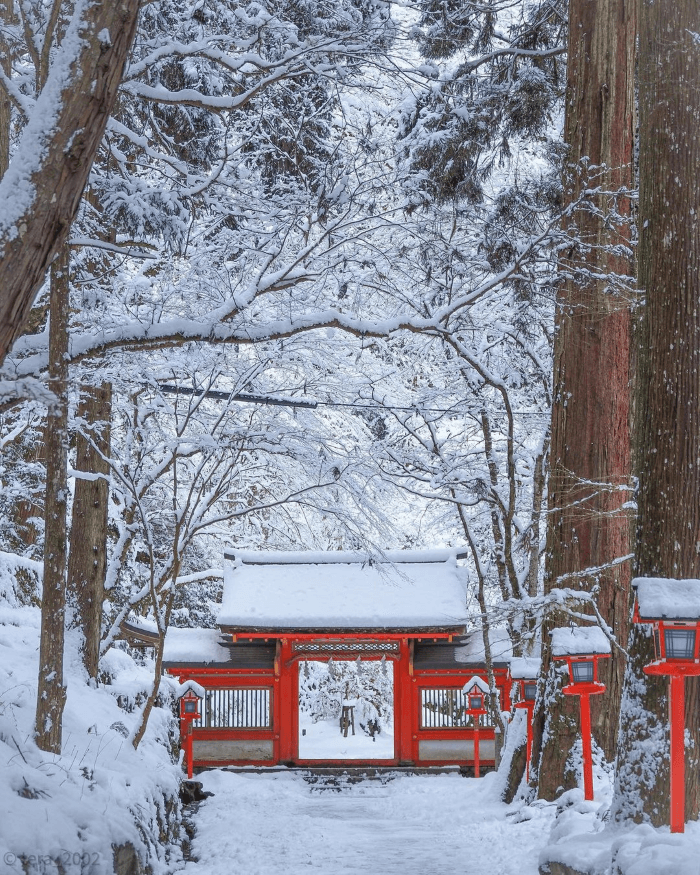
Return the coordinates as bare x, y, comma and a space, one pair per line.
668, 432
31, 239
590, 454
7, 17
87, 562
51, 693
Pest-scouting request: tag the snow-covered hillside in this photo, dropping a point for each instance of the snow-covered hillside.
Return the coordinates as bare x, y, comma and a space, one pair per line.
89, 809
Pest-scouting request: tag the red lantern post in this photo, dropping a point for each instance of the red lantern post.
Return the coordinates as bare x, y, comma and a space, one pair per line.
524, 671
582, 647
672, 607
476, 691
189, 712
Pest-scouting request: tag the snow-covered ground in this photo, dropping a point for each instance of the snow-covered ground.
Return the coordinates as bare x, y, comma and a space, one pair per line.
413, 825
582, 838
64, 814
324, 741
265, 824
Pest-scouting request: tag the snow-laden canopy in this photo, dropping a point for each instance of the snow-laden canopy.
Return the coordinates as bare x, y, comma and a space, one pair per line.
339, 590
579, 641
525, 668
662, 598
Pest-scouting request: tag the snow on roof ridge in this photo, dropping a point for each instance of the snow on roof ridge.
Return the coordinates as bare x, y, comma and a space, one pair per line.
350, 594
194, 644
339, 557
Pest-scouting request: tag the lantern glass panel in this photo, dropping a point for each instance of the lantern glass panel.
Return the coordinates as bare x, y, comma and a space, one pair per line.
190, 707
530, 692
476, 702
582, 672
680, 643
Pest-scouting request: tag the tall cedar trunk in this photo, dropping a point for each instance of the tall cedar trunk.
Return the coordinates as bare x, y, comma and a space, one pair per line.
668, 433
7, 17
51, 693
590, 457
87, 562
29, 242
23, 509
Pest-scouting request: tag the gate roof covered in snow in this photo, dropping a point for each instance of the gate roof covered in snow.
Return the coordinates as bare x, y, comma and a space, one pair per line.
309, 592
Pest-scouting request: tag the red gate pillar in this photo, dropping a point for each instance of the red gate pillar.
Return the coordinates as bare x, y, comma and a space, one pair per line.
294, 707
288, 704
405, 698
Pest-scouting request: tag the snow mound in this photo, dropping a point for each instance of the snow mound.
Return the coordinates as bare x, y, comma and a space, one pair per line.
67, 813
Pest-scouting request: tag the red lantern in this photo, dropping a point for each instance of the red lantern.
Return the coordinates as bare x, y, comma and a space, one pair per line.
189, 706
672, 608
524, 671
476, 690
582, 647
189, 712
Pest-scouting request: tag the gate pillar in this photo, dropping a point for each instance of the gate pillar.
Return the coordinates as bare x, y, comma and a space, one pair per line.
288, 705
405, 698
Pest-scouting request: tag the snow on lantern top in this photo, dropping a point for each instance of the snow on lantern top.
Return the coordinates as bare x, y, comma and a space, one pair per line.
339, 590
476, 684
191, 688
476, 691
579, 641
661, 598
525, 668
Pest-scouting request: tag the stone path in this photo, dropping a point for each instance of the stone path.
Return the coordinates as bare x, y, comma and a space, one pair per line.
279, 824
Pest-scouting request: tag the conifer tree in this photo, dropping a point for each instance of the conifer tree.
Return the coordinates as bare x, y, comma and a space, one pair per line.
667, 435
589, 479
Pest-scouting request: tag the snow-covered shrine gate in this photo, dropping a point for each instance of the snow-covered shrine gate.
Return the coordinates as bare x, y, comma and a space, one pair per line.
279, 610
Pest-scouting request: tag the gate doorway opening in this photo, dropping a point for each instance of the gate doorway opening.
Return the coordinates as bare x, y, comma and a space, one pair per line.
346, 710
